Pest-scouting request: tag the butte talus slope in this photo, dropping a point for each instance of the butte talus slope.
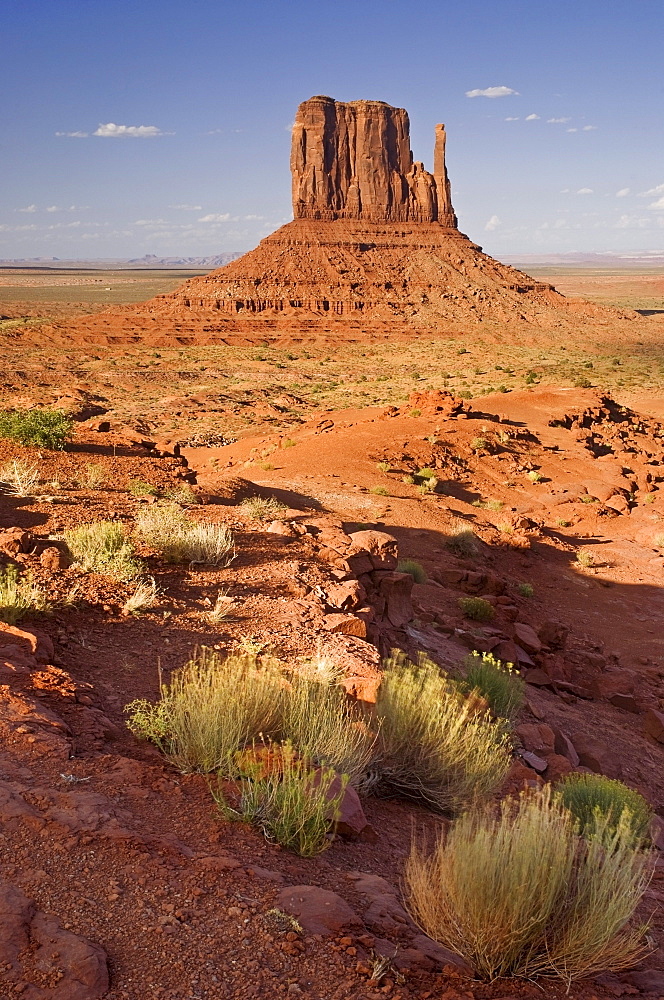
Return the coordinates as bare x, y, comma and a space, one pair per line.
373, 252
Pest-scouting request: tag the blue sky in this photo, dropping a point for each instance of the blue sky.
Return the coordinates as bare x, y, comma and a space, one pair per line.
201, 96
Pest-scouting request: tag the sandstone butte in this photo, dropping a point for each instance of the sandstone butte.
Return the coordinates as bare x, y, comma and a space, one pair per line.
373, 252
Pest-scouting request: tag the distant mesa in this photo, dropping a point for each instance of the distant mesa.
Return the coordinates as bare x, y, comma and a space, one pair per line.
373, 252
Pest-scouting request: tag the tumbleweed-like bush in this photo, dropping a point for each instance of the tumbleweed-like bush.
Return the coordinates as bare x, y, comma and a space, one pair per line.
519, 893
19, 595
600, 803
432, 745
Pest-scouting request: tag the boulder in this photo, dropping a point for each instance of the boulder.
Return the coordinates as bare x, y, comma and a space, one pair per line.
537, 737
15, 540
553, 634
345, 596
371, 550
53, 559
318, 911
653, 724
345, 625
527, 637
397, 588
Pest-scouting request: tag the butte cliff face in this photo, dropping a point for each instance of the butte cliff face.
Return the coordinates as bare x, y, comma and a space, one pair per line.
374, 252
353, 161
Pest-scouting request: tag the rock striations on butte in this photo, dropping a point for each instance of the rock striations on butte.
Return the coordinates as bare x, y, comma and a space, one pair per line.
373, 252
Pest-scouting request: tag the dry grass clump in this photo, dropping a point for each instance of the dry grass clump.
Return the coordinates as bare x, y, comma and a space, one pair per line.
103, 547
19, 478
585, 558
463, 541
432, 744
597, 802
213, 707
169, 530
497, 682
519, 893
327, 728
263, 508
95, 475
146, 595
19, 596
293, 803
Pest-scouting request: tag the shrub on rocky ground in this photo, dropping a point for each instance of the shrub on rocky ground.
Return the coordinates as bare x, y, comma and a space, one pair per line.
519, 893
262, 508
293, 803
103, 547
497, 682
603, 804
463, 541
19, 478
169, 530
432, 744
19, 596
42, 428
476, 608
415, 569
139, 488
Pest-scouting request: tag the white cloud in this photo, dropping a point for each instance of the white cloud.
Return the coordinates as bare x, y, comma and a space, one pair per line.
656, 190
511, 119
492, 92
28, 208
532, 118
215, 217
632, 222
74, 135
215, 131
585, 191
657, 205
589, 128
622, 193
53, 208
113, 131
492, 224
187, 208
571, 130
558, 121
565, 191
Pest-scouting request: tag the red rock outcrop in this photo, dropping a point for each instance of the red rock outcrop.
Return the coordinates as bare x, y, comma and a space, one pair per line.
353, 161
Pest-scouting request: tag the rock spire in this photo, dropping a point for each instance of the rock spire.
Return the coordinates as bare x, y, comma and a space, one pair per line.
353, 161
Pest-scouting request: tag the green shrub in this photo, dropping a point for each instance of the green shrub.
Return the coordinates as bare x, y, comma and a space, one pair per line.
19, 596
103, 547
182, 494
526, 589
212, 707
169, 530
476, 608
42, 428
503, 690
432, 745
262, 508
380, 491
293, 804
415, 569
518, 893
596, 801
139, 488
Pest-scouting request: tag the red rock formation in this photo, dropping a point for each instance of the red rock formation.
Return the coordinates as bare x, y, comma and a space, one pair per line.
353, 161
374, 251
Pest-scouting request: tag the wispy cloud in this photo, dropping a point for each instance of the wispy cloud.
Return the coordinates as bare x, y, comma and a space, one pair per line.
187, 208
585, 191
589, 128
644, 194
113, 131
532, 118
571, 130
492, 224
28, 208
558, 121
74, 135
492, 92
657, 205
511, 119
622, 193
216, 217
